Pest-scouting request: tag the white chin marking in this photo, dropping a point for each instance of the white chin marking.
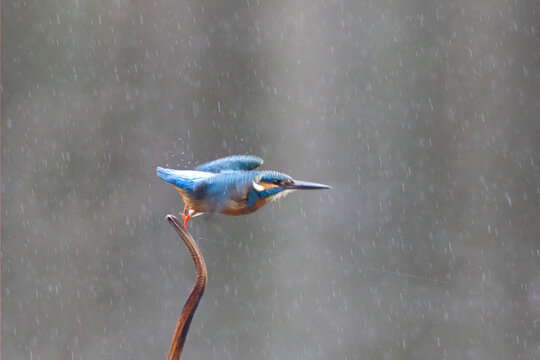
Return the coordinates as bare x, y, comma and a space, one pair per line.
257, 187
282, 194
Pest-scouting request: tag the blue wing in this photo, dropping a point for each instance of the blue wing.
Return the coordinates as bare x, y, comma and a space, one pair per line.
227, 186
231, 163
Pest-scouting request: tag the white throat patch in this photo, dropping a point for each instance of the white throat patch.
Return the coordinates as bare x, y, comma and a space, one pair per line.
282, 194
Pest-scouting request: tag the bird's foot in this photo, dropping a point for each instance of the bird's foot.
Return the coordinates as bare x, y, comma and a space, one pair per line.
186, 218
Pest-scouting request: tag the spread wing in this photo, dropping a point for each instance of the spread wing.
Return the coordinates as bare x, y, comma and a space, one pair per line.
231, 163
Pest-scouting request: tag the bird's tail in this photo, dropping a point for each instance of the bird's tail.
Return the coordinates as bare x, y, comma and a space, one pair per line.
165, 174
184, 179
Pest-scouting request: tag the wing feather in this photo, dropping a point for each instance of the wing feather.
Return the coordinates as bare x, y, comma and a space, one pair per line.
231, 163
222, 189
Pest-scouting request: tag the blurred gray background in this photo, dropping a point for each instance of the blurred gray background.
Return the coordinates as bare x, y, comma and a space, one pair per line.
422, 115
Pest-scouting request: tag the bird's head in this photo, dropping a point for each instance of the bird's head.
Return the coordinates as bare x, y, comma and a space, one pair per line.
271, 185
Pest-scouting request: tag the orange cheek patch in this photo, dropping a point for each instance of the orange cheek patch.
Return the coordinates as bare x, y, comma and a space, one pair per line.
288, 182
267, 186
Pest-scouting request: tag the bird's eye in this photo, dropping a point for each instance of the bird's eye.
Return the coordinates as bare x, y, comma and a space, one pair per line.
276, 181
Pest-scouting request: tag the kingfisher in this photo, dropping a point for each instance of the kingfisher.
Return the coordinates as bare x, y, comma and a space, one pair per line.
230, 186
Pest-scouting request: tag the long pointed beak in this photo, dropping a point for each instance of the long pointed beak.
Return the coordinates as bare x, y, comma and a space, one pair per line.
305, 185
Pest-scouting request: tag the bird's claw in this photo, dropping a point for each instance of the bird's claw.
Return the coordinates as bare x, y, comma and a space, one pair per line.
184, 216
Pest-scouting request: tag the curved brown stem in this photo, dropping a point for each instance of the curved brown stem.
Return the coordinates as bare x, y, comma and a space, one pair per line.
201, 278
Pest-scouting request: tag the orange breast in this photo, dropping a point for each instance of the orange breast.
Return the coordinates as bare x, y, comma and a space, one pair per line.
233, 207
236, 209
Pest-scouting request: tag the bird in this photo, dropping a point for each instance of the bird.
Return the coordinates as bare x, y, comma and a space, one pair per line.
231, 186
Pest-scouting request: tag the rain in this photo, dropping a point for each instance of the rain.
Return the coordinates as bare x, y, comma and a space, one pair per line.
422, 116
